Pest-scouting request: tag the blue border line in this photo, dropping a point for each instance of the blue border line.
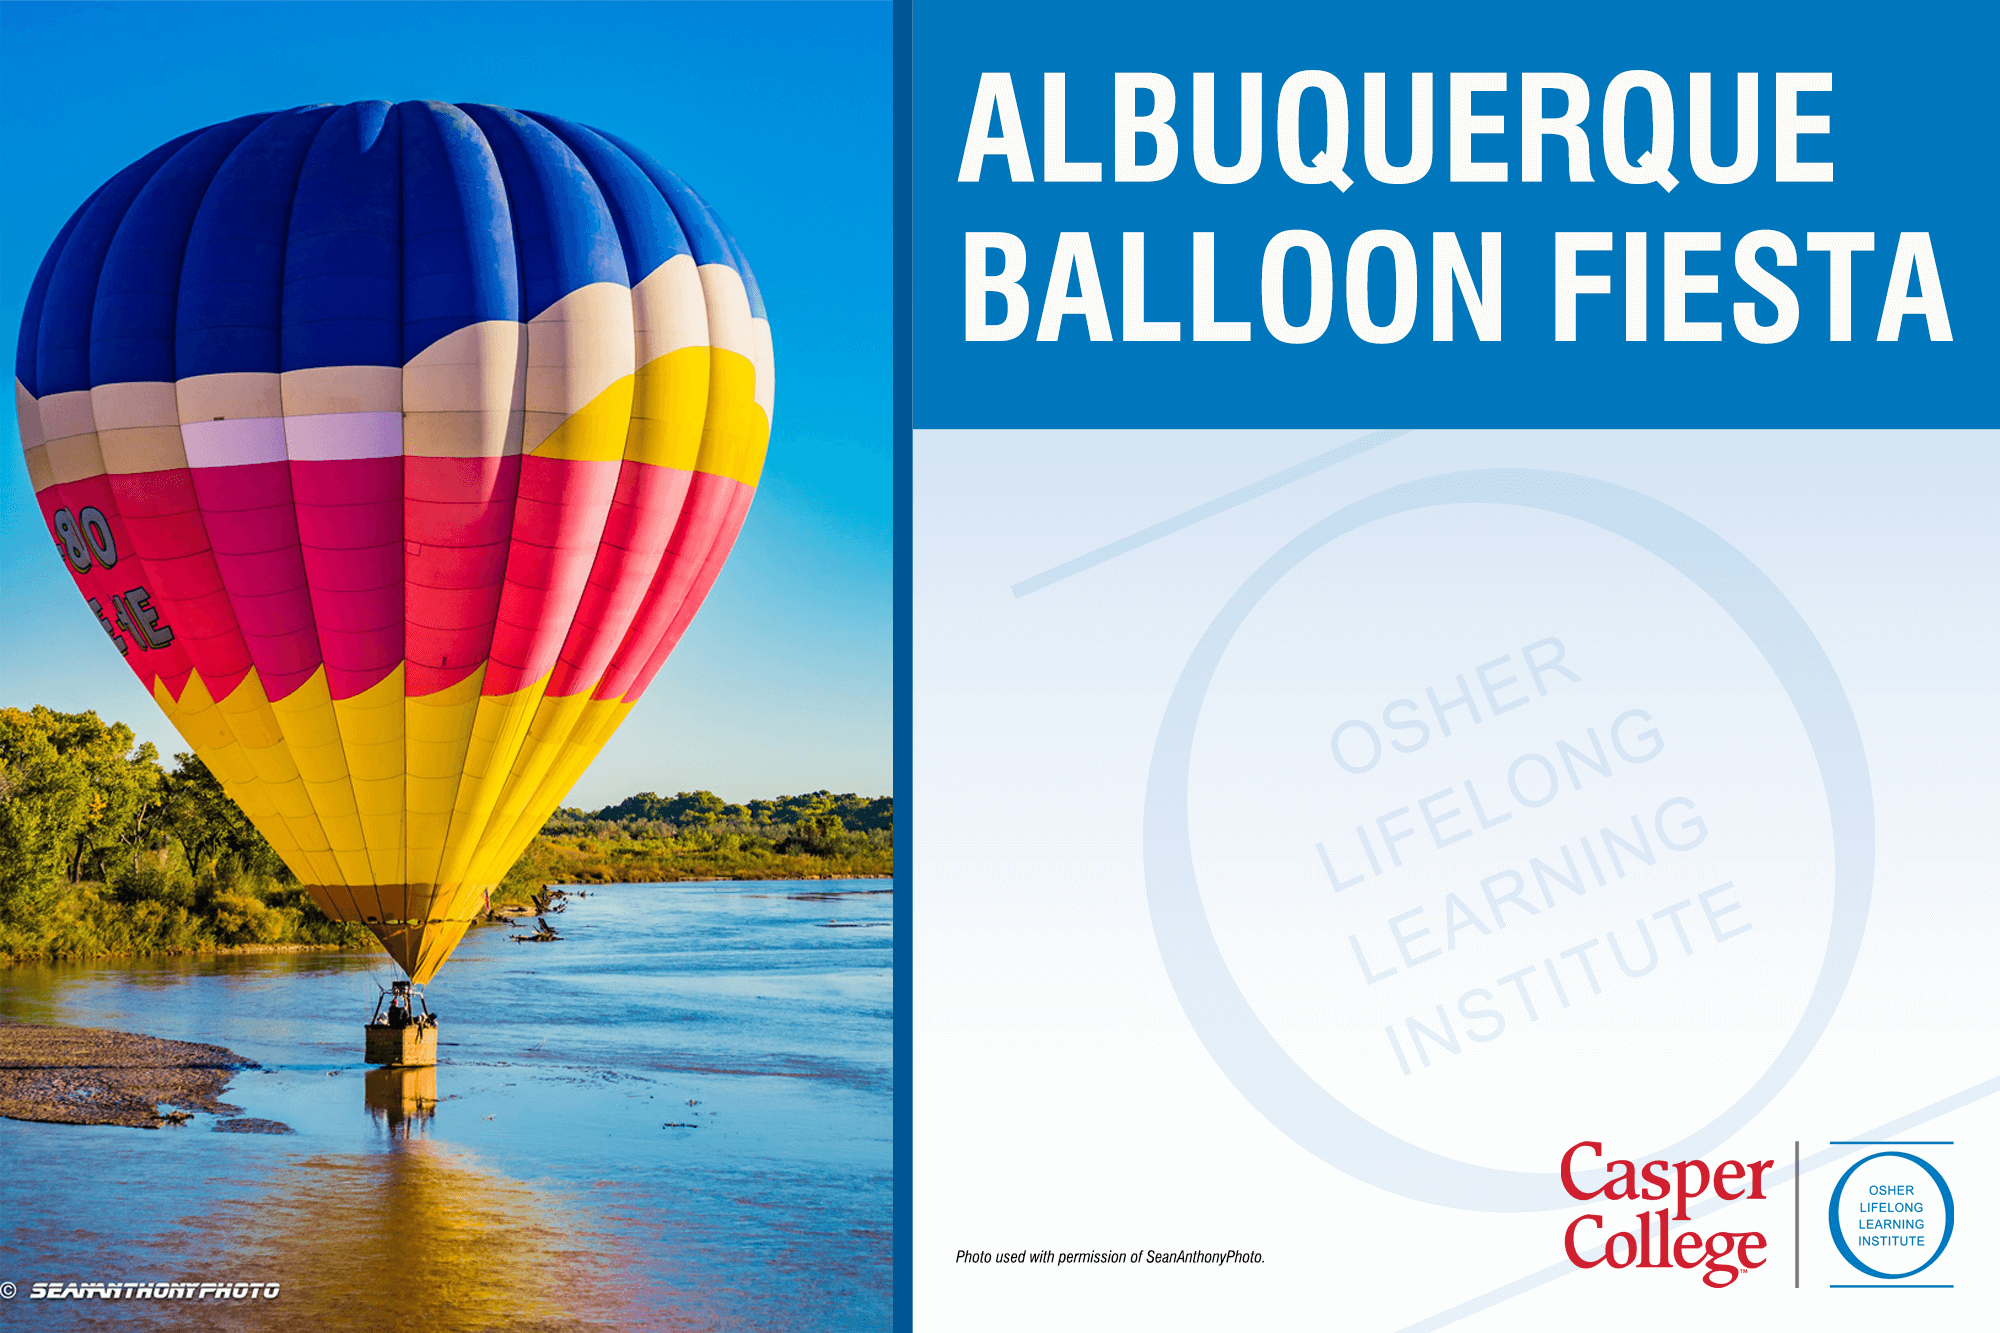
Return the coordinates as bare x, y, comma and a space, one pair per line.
903, 1250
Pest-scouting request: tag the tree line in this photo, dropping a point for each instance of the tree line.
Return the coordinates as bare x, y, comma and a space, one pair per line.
105, 850
697, 835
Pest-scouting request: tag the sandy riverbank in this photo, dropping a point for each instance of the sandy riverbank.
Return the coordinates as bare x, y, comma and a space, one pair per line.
95, 1076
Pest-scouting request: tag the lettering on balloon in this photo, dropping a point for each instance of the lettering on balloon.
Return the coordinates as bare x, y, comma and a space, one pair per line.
86, 535
141, 619
110, 630
70, 538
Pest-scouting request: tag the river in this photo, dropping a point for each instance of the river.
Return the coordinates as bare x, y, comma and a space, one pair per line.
676, 1117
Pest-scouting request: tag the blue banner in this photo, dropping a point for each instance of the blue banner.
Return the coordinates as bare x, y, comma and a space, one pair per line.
1292, 216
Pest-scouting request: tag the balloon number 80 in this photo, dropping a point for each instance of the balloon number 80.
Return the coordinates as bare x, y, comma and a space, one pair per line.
86, 535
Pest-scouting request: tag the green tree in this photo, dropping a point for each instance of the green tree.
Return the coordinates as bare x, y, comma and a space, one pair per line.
45, 801
124, 785
75, 790
817, 828
81, 803
688, 809
211, 827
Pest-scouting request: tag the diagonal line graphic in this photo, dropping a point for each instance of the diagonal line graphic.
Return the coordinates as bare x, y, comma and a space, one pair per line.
1812, 1163
1221, 504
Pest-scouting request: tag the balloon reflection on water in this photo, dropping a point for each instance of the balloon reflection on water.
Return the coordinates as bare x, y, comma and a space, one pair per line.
402, 1098
419, 1232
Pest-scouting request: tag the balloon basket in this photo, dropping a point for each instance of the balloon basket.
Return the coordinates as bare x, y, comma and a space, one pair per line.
403, 1030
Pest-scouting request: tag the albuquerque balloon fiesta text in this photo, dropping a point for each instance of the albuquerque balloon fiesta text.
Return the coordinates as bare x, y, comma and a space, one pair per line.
1219, 280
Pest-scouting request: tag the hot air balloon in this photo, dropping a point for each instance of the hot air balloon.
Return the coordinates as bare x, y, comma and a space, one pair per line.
395, 446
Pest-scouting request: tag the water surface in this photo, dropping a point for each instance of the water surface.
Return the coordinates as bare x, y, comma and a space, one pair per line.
677, 1117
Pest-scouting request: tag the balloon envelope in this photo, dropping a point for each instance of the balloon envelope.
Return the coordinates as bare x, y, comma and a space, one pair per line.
395, 446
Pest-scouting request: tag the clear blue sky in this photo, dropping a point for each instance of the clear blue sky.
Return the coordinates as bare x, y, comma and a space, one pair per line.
778, 113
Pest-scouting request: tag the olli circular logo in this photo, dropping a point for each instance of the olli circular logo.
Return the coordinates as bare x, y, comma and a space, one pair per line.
1891, 1215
